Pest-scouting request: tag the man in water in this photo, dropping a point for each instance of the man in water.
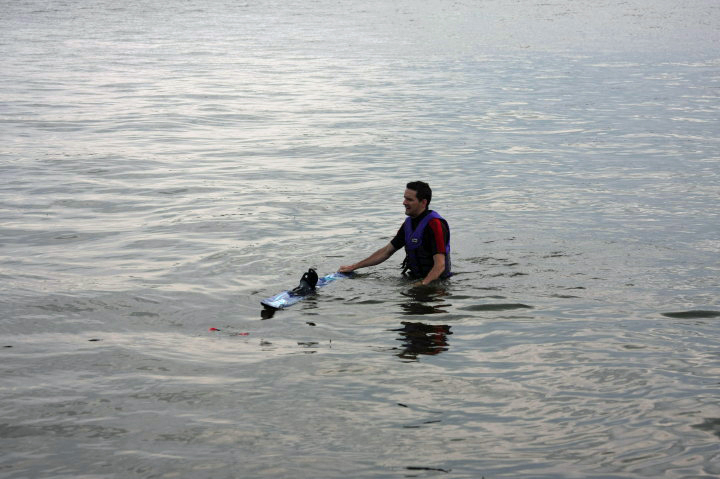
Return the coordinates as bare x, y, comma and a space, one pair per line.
425, 236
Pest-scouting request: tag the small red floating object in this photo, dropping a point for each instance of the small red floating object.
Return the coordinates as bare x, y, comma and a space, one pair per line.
213, 329
241, 334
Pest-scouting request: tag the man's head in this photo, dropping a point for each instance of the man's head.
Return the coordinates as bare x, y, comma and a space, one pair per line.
417, 198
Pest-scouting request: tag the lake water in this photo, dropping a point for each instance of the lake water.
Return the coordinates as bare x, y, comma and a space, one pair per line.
167, 165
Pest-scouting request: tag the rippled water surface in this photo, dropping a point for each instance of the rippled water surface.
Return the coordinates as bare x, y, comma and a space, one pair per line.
167, 165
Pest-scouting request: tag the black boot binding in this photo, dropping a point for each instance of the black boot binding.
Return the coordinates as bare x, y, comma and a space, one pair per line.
307, 283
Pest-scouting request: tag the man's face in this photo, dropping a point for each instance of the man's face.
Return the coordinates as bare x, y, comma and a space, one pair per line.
413, 207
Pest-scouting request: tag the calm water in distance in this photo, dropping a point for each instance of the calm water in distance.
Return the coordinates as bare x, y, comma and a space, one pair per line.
166, 165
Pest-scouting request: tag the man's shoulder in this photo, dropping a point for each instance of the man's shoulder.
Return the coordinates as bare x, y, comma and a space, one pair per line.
437, 224
438, 217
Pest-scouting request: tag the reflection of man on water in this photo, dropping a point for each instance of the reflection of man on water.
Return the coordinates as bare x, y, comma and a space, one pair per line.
424, 234
421, 338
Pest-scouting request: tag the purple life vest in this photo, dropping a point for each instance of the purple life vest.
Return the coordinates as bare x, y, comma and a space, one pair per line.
419, 261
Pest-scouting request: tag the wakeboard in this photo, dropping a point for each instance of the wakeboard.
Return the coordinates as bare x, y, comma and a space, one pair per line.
287, 298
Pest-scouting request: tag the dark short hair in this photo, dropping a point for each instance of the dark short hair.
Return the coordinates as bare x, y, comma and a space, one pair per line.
422, 190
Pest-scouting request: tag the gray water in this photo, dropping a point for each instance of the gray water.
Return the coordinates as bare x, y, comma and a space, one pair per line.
167, 165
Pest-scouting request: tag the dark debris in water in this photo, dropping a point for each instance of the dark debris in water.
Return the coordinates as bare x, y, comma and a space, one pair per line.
692, 314
495, 307
418, 426
419, 468
633, 346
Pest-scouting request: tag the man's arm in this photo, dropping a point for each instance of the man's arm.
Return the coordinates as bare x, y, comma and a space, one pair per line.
376, 258
437, 269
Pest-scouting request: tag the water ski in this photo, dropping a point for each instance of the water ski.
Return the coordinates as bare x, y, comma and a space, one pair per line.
309, 283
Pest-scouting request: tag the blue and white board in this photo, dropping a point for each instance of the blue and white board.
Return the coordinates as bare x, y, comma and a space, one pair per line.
288, 298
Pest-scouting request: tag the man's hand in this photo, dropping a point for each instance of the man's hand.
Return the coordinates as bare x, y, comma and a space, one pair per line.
437, 270
376, 258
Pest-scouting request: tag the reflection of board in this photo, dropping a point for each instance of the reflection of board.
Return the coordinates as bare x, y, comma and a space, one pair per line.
288, 298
